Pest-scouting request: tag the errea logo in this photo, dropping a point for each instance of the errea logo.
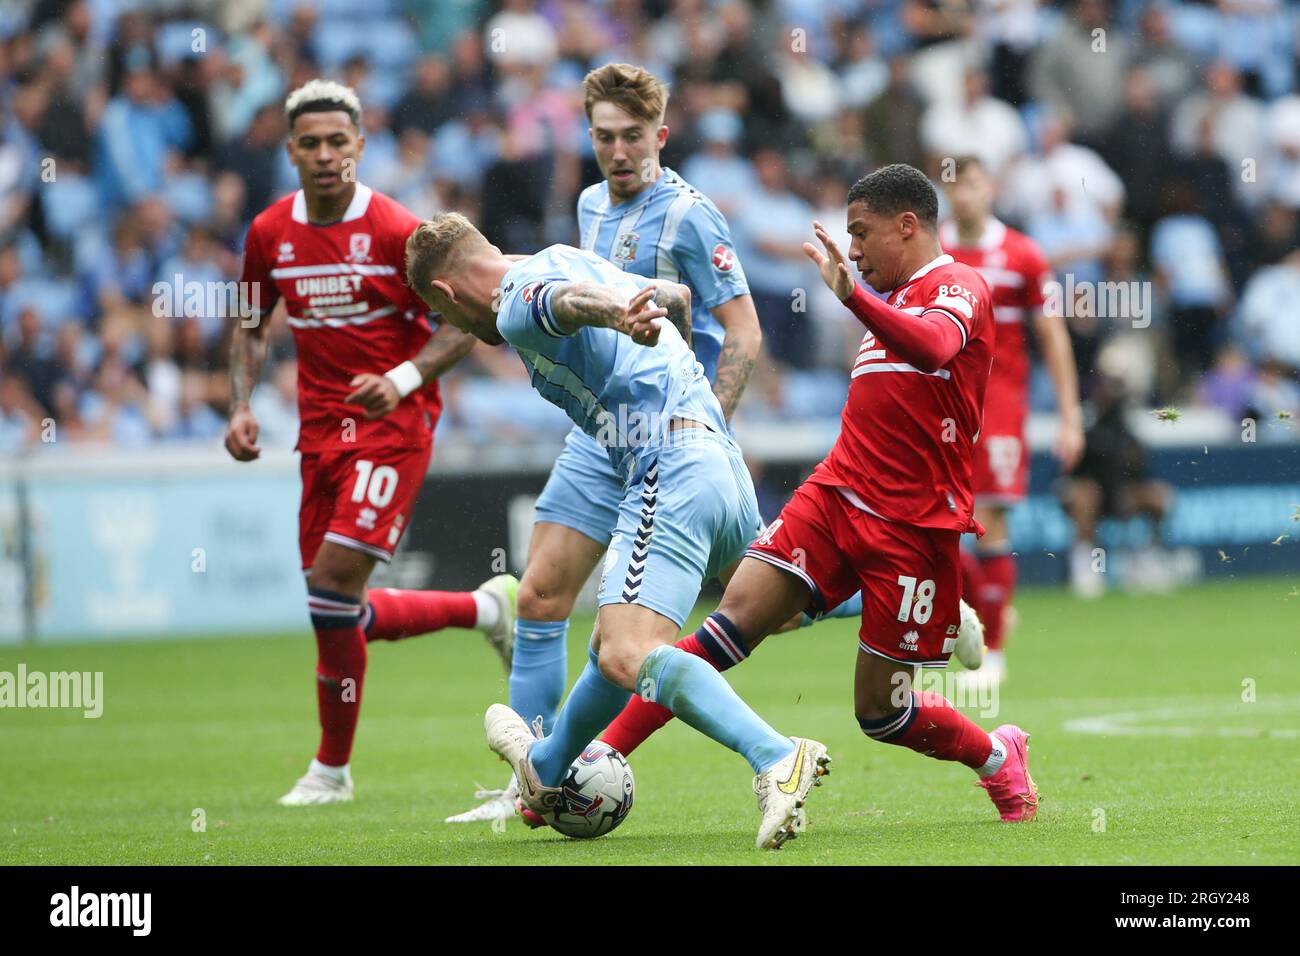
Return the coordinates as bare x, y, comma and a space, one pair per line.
909, 641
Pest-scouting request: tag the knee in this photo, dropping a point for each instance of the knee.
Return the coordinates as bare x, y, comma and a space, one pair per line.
618, 666
880, 704
539, 601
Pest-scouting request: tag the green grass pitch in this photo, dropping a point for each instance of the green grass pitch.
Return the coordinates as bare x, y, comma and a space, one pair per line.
1168, 765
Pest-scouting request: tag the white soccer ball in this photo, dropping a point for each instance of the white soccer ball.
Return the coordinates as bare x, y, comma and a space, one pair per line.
596, 794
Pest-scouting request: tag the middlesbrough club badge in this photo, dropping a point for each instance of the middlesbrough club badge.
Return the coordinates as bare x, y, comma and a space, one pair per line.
724, 260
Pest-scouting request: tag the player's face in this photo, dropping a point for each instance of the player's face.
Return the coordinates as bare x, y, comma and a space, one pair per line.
627, 149
876, 247
325, 148
971, 195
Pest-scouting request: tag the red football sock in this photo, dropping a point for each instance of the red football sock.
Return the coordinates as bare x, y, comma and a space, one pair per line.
998, 584
395, 614
340, 672
641, 718
972, 576
935, 728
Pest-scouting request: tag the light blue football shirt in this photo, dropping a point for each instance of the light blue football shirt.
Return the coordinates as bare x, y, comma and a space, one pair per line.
620, 393
672, 231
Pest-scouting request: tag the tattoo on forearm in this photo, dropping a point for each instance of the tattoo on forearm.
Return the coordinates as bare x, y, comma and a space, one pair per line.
585, 303
679, 312
247, 357
733, 372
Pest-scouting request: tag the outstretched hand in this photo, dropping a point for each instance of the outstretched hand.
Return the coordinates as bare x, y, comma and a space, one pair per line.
832, 265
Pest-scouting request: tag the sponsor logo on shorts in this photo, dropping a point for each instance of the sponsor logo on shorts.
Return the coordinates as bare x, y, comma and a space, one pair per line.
367, 518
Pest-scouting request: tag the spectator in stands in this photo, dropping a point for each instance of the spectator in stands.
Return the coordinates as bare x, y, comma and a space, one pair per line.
989, 128
1268, 321
1034, 183
893, 118
20, 417
141, 127
1081, 68
938, 29
1192, 276
427, 104
1011, 29
1229, 385
1137, 148
770, 229
1170, 69
1236, 128
717, 171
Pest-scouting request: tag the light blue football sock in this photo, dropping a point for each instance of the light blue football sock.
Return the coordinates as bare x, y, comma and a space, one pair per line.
592, 704
850, 608
538, 672
700, 696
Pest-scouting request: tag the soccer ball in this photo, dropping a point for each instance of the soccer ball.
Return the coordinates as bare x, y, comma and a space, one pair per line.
596, 794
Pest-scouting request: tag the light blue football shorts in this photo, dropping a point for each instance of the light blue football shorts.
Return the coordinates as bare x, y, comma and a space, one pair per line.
689, 512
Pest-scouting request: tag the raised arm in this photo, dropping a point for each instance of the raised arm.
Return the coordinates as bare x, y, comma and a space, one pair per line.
572, 305
928, 341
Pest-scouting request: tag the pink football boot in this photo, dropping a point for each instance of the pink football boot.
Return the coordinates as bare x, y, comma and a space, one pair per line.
1011, 789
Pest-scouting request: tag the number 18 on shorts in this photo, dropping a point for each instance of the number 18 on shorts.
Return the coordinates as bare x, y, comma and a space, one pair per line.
910, 577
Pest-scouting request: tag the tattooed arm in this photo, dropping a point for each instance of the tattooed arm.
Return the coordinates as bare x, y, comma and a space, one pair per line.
739, 353
676, 299
575, 304
247, 358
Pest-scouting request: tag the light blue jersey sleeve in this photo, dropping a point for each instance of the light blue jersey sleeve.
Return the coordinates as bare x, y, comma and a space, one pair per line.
706, 257
526, 319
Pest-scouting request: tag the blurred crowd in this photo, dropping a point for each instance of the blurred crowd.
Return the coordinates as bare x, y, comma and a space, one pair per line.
1149, 144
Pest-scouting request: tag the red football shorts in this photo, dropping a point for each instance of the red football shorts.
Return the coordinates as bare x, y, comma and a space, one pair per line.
361, 499
1000, 471
910, 577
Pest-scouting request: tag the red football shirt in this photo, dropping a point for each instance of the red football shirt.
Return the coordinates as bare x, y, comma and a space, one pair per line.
1017, 274
906, 436
351, 311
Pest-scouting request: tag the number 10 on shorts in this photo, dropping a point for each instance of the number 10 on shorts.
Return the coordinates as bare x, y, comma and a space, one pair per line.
920, 609
375, 484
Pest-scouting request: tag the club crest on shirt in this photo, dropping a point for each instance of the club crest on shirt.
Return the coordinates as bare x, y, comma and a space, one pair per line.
625, 247
359, 247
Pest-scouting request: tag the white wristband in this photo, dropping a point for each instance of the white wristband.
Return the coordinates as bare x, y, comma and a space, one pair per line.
405, 377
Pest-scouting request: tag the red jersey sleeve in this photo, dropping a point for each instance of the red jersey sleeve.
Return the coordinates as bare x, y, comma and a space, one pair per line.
256, 273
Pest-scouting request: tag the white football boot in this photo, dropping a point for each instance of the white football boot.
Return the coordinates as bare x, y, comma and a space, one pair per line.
509, 736
315, 788
504, 590
783, 788
969, 648
496, 805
